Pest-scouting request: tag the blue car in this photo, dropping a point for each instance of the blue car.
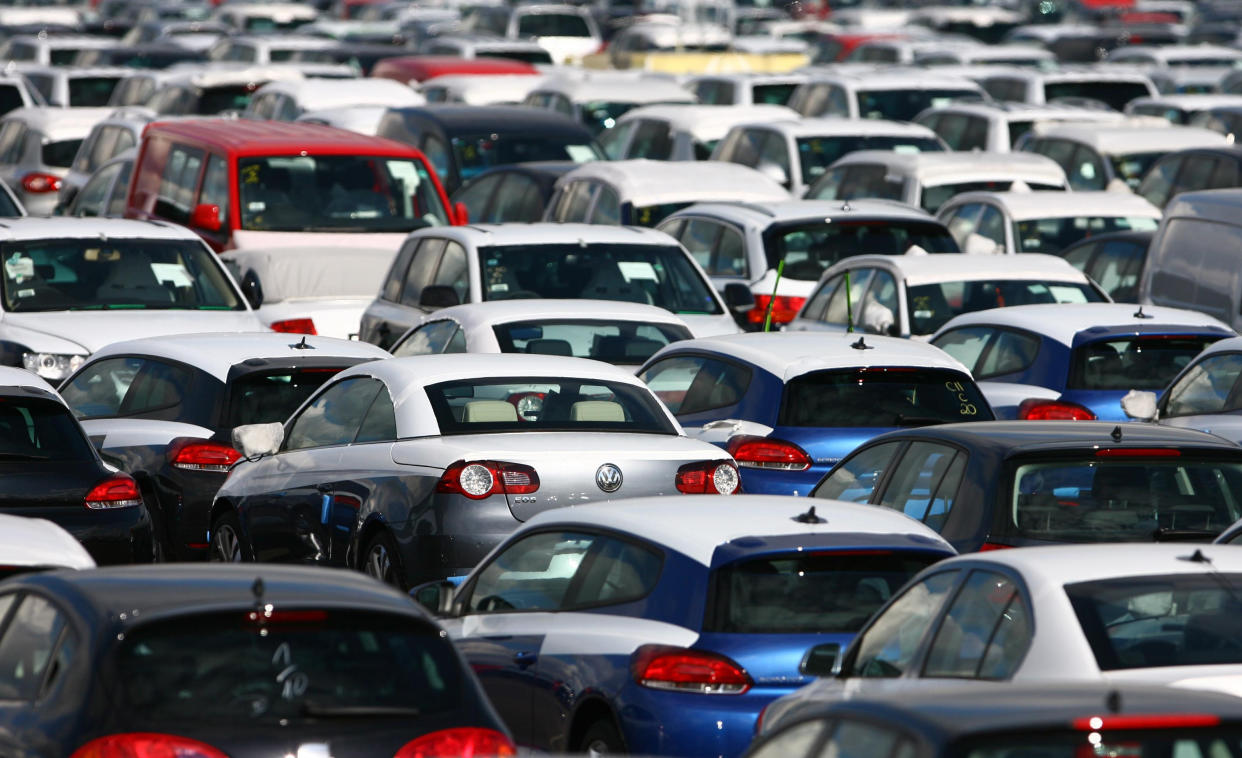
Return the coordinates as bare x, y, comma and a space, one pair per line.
789, 405
664, 626
1075, 362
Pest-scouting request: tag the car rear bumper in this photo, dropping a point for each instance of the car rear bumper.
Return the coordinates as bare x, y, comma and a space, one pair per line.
658, 722
110, 536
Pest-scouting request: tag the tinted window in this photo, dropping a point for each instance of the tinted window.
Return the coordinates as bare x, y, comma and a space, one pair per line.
10, 98
857, 477
91, 91
651, 140
60, 154
428, 339
1144, 363
1116, 94
881, 397
453, 272
970, 630
32, 429
889, 645
380, 423
333, 418
989, 351
477, 153
1052, 235
854, 181
26, 647
1209, 387
126, 386
1158, 182
479, 406
692, 384
552, 25
264, 397
935, 196
808, 249
618, 342
932, 305
924, 485
904, 105
1115, 265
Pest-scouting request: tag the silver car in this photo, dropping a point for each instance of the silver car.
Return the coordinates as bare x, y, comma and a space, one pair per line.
37, 147
412, 469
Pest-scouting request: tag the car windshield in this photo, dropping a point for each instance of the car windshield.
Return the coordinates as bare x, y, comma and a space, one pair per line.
1115, 94
113, 273
1104, 496
1225, 742
533, 404
263, 397
60, 154
337, 193
808, 249
552, 25
1017, 129
815, 154
937, 195
932, 305
478, 153
91, 91
34, 429
652, 274
1052, 235
216, 100
808, 592
1132, 167
1146, 362
300, 665
905, 104
1191, 619
617, 342
881, 397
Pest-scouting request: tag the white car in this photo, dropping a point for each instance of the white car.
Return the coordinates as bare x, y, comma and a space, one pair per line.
74, 86
1181, 109
35, 544
620, 333
598, 98
1071, 85
265, 17
37, 148
567, 32
890, 95
260, 50
1041, 222
289, 99
51, 49
744, 89
480, 89
72, 285
997, 127
932, 53
681, 132
363, 119
469, 46
120, 131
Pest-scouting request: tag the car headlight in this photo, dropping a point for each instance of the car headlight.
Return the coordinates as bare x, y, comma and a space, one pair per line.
53, 366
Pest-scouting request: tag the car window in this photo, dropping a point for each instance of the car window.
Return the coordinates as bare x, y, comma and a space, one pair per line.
1086, 170
888, 646
814, 309
26, 647
1210, 386
607, 207
857, 181
857, 477
428, 339
1008, 353
878, 309
120, 190
652, 140
692, 384
91, 200
178, 183
421, 270
437, 153
1157, 185
774, 156
532, 574
453, 271
1134, 361
614, 341
699, 238
380, 423
729, 255
334, 416
986, 604
216, 187
992, 224
843, 303
126, 386
396, 274
614, 141
519, 199
157, 386
575, 202
1195, 173
267, 396
924, 484
965, 344
975, 135
475, 194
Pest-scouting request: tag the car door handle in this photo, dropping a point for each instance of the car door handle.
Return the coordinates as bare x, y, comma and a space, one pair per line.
524, 659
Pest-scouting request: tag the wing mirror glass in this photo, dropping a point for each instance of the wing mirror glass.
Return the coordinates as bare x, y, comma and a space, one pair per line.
739, 297
821, 660
436, 597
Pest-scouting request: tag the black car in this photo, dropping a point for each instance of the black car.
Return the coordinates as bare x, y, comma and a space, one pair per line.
462, 141
526, 189
1114, 261
49, 470
1191, 170
1017, 721
993, 484
244, 662
163, 409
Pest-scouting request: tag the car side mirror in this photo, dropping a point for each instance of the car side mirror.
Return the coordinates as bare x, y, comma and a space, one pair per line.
462, 213
254, 440
977, 244
436, 597
1140, 406
821, 660
206, 216
739, 297
774, 172
252, 290
438, 296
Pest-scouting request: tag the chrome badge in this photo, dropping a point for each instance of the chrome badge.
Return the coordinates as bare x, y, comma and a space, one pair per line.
608, 477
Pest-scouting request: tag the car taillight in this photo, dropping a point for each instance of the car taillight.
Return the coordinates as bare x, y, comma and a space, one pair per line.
37, 184
1035, 409
462, 742
687, 670
1137, 452
146, 745
202, 455
993, 546
294, 326
783, 310
763, 452
480, 479
117, 491
707, 478
1147, 721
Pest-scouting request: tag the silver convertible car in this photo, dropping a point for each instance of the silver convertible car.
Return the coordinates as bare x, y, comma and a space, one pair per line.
412, 469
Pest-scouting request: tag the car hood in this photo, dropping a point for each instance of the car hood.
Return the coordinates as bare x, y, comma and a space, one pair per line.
87, 331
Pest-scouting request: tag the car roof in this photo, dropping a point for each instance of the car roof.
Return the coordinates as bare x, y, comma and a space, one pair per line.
625, 89
457, 118
780, 211
792, 354
546, 233
1054, 204
887, 79
502, 311
1065, 322
316, 94
57, 122
1011, 111
249, 137
1017, 437
696, 526
31, 228
1075, 74
27, 541
489, 88
646, 182
1221, 205
842, 127
1115, 139
933, 168
1068, 564
933, 269
708, 121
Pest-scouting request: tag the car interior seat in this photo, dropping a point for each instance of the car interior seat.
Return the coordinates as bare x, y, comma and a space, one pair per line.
489, 411
597, 410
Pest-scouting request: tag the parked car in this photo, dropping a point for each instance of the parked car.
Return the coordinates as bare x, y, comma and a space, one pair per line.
914, 295
288, 99
478, 89
106, 669
688, 616
1226, 119
109, 137
50, 49
568, 32
469, 46
477, 263
206, 92
1181, 109
73, 86
597, 99
105, 191
1074, 361
34, 544
527, 187
262, 49
16, 92
1191, 170
1071, 86
744, 89
265, 17
1200, 397
37, 148
234, 183
1114, 261
788, 406
475, 445
680, 132
997, 127
889, 95
746, 243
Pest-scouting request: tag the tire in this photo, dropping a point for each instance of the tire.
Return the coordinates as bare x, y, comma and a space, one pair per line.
161, 543
380, 560
226, 540
602, 738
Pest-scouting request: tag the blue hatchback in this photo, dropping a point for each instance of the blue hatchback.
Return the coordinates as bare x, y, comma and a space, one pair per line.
664, 626
789, 405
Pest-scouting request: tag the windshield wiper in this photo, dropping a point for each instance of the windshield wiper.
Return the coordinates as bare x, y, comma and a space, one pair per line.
1184, 535
904, 420
357, 711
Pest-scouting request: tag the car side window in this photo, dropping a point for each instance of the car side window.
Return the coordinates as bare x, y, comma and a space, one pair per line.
475, 196
1225, 174
156, 387
178, 184
889, 644
518, 200
26, 647
652, 140
334, 416
614, 141
962, 220
985, 632
1158, 183
975, 136
99, 389
396, 274
437, 154
607, 207
428, 339
1086, 170
380, 423
216, 187
814, 310
692, 384
1206, 387
855, 479
422, 269
773, 151
618, 571
965, 344
90, 201
923, 485
838, 102
729, 255
1196, 170
699, 238
454, 271
120, 190
575, 202
1008, 353
532, 574
879, 307
844, 303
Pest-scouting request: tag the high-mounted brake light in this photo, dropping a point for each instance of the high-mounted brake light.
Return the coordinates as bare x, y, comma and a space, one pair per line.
462, 742
146, 745
202, 455
662, 667
294, 326
1137, 452
1036, 409
751, 451
117, 491
480, 479
707, 478
1147, 721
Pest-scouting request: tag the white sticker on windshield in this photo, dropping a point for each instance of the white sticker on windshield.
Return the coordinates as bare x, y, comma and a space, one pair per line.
257, 206
940, 102
632, 270
172, 272
581, 153
1067, 294
19, 267
906, 149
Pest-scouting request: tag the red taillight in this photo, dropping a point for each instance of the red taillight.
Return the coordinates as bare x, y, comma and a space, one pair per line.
1137, 452
1147, 721
294, 326
202, 455
117, 491
762, 452
985, 547
37, 184
707, 478
1035, 409
462, 742
146, 745
783, 310
686, 670
480, 479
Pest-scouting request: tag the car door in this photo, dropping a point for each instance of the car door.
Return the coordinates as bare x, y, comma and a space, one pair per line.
42, 681
390, 321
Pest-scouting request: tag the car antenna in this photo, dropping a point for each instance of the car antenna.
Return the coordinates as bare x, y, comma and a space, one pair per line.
1116, 433
1113, 702
1196, 557
809, 517
860, 345
302, 345
1139, 313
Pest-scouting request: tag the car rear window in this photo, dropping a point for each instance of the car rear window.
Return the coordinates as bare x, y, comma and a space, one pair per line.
1115, 94
91, 91
808, 249
60, 154
937, 195
265, 397
1052, 235
1143, 363
881, 397
808, 592
552, 25
213, 100
905, 104
34, 429
477, 153
772, 94
1132, 495
1165, 620
297, 665
932, 305
617, 342
816, 154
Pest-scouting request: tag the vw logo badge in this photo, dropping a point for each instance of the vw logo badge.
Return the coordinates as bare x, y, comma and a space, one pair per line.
608, 477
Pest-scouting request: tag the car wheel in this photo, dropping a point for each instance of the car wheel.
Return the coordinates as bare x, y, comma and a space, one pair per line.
226, 540
602, 738
161, 544
380, 560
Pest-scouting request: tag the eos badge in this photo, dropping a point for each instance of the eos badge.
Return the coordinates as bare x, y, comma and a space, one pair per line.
608, 477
